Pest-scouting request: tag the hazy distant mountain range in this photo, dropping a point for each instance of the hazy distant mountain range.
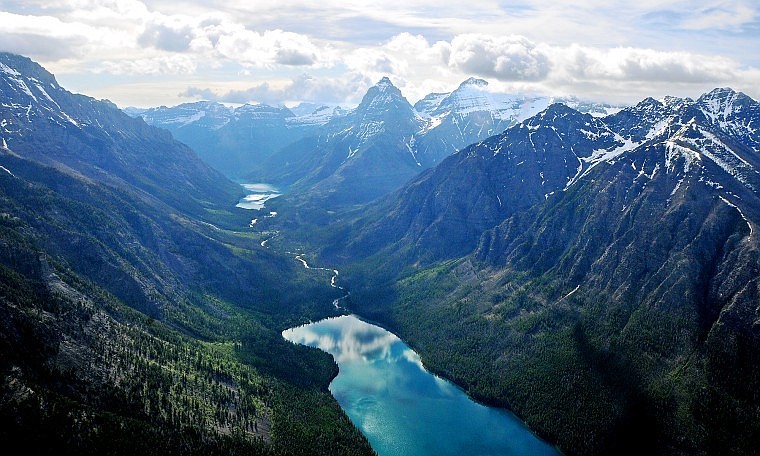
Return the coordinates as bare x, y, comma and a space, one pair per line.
347, 155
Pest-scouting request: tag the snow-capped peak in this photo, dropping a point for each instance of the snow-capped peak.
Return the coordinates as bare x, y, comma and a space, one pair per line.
473, 82
734, 113
28, 91
385, 84
381, 99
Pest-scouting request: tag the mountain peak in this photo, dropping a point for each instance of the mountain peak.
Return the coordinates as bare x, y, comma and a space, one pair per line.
720, 92
675, 102
473, 82
559, 110
722, 97
382, 95
17, 65
32, 91
649, 102
720, 104
385, 84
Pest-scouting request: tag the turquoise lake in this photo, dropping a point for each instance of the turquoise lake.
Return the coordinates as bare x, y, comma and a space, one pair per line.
403, 409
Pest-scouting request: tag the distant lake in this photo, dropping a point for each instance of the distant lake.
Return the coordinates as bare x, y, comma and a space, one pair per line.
403, 409
259, 194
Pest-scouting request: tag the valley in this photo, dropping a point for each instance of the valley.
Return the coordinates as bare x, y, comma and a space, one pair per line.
593, 269
140, 314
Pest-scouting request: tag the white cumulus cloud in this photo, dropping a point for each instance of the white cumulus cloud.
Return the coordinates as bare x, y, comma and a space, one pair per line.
643, 65
508, 58
271, 47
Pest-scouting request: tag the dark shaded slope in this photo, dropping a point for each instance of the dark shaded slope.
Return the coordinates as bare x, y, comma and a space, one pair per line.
442, 213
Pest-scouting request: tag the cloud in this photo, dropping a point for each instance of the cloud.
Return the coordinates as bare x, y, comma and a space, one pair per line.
348, 88
200, 94
642, 65
50, 38
294, 57
414, 64
375, 61
214, 40
271, 47
727, 15
417, 49
507, 58
675, 46
161, 65
41, 46
220, 38
167, 37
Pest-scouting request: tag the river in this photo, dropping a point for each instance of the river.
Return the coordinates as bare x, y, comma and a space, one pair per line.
402, 408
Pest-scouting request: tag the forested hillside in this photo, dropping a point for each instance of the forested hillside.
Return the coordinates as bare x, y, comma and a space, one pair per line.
139, 313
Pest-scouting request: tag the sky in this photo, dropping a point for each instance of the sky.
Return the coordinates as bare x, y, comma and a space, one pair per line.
148, 53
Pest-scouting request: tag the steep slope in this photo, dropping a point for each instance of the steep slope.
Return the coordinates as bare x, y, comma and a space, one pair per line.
366, 153
472, 113
129, 324
613, 304
442, 213
43, 122
469, 114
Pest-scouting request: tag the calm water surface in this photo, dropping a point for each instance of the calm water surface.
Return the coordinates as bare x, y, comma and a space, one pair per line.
402, 408
258, 194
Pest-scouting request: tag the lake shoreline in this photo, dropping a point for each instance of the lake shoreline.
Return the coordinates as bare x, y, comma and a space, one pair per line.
401, 406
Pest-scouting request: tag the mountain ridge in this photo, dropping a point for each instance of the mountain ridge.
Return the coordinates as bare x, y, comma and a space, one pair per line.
610, 294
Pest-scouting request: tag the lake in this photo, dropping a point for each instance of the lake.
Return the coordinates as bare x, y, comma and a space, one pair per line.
259, 194
403, 409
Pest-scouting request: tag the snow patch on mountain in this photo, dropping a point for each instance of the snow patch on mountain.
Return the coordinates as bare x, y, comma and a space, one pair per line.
746, 220
674, 151
187, 119
369, 129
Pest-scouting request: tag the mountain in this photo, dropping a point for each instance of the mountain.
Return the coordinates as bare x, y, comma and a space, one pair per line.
236, 140
472, 113
322, 148
137, 314
367, 152
444, 211
420, 137
45, 123
597, 275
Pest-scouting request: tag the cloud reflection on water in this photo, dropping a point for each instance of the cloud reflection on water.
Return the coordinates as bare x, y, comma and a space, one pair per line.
349, 339
402, 408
